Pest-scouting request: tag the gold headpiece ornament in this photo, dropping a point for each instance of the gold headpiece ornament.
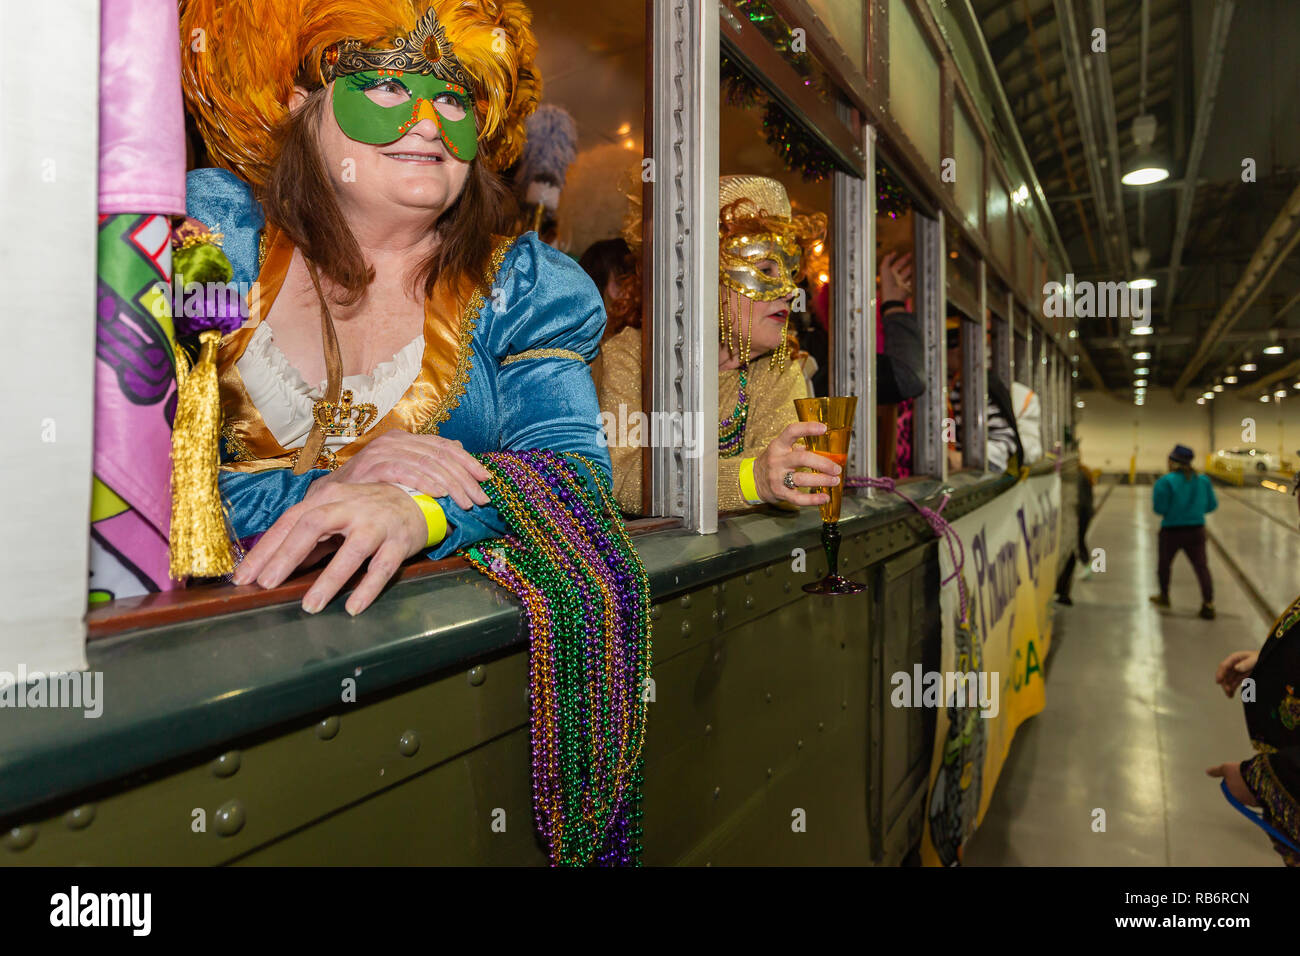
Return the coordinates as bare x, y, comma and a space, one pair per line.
424, 50
241, 60
756, 225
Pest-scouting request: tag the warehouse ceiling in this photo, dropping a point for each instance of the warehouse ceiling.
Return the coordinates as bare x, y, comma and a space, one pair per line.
1222, 84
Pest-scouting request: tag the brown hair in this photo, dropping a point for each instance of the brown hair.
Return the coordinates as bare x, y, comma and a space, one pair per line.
613, 259
299, 199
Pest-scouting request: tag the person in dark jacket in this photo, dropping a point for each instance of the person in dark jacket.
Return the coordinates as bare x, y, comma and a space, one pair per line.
1183, 498
1080, 553
1270, 779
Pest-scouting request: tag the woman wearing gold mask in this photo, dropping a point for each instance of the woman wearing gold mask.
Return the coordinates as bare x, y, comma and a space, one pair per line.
759, 456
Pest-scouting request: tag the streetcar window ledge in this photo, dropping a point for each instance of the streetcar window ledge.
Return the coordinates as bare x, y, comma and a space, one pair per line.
212, 600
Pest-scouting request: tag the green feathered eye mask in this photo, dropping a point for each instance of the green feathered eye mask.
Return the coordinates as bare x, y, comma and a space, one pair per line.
379, 107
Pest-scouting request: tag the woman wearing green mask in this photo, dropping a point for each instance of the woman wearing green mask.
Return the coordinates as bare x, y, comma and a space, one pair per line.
392, 331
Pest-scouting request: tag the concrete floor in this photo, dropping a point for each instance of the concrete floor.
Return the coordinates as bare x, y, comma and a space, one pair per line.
1133, 716
1261, 530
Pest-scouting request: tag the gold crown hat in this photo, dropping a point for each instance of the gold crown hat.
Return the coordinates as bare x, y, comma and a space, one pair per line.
240, 60
766, 197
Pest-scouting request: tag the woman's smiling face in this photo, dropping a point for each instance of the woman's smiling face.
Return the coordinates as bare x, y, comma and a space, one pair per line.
415, 171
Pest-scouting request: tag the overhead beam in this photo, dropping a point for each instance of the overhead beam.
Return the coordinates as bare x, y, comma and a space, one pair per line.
1219, 26
1110, 342
1255, 389
1065, 156
1081, 94
1272, 250
1089, 369
1106, 106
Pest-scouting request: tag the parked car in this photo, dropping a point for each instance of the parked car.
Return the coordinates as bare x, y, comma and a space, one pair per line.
1246, 457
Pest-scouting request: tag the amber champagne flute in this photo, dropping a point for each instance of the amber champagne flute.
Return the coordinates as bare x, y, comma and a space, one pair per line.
837, 414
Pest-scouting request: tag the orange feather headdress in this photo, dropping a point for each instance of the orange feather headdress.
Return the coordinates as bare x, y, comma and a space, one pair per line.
240, 60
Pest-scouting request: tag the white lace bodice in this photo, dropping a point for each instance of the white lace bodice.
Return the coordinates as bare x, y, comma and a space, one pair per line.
285, 400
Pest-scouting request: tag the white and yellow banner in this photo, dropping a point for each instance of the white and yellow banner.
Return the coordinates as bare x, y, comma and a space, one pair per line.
991, 676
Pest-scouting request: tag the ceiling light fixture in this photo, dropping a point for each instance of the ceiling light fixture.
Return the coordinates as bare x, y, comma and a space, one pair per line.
1229, 380
1147, 166
1141, 256
1248, 367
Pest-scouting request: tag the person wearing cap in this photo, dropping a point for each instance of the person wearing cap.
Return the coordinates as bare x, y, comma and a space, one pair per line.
1183, 498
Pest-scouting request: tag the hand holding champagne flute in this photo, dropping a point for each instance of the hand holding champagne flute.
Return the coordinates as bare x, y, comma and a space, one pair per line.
837, 414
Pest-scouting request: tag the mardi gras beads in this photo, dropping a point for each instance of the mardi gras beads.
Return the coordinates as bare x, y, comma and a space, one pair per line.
731, 431
585, 594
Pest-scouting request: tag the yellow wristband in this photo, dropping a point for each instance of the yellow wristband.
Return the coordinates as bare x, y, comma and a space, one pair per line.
748, 487
434, 516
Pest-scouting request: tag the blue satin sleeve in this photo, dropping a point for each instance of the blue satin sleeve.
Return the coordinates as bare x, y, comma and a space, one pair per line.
254, 501
542, 300
224, 203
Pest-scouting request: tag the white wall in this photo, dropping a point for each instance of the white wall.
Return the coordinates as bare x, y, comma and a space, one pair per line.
1107, 436
1109, 430
49, 180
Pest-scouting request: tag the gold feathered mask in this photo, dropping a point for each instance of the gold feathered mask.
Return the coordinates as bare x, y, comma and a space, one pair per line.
240, 60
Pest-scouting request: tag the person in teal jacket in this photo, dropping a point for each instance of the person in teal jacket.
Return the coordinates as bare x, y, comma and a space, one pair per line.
1183, 498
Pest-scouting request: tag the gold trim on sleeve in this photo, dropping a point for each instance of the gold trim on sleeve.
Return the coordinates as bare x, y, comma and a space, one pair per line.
541, 354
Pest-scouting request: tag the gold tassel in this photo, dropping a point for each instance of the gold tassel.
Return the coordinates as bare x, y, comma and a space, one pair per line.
200, 543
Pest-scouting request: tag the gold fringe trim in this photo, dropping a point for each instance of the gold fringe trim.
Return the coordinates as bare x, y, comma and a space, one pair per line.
464, 354
541, 354
200, 543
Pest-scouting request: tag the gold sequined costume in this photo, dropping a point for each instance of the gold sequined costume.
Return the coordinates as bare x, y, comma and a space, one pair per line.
770, 410
761, 246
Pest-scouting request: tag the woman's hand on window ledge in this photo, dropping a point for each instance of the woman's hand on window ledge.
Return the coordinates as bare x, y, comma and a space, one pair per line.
370, 520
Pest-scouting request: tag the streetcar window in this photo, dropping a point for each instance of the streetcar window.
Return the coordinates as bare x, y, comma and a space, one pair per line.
895, 247
593, 61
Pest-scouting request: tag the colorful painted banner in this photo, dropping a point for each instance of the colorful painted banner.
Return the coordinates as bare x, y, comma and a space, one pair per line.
135, 399
141, 182
991, 675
